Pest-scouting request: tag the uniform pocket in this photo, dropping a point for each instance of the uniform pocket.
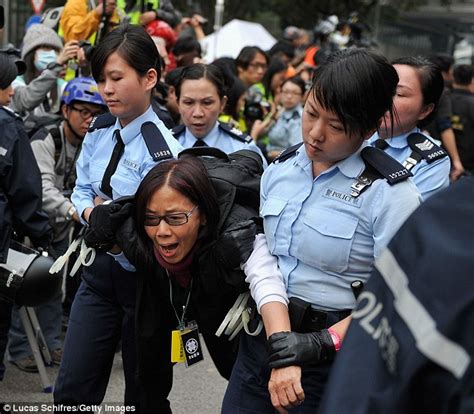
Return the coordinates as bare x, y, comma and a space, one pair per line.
271, 212
327, 239
124, 185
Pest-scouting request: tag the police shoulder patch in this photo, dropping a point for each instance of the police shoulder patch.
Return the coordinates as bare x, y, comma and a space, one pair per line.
102, 121
178, 130
287, 154
425, 148
235, 133
155, 142
385, 165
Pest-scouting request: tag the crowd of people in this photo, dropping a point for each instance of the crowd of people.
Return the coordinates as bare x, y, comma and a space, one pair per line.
109, 117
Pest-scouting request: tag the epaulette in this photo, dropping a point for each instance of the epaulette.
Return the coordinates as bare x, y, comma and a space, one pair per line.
102, 121
235, 133
287, 154
178, 130
155, 142
423, 148
378, 165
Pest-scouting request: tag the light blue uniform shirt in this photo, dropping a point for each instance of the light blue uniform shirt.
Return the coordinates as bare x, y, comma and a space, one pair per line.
287, 130
429, 178
323, 237
218, 138
134, 164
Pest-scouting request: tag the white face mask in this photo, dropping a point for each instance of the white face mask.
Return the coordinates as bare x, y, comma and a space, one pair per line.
43, 58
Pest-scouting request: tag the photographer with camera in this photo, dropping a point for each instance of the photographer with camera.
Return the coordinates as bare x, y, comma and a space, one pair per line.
39, 90
81, 21
56, 150
261, 102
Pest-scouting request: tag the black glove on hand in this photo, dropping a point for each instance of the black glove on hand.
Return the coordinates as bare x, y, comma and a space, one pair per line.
100, 234
105, 220
291, 348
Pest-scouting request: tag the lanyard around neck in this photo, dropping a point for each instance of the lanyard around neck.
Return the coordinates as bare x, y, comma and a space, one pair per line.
185, 307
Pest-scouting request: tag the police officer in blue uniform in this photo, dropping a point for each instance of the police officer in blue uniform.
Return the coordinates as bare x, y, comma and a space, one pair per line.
329, 207
201, 95
410, 346
418, 92
20, 186
119, 150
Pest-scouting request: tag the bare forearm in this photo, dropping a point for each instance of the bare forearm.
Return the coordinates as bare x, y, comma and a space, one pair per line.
275, 318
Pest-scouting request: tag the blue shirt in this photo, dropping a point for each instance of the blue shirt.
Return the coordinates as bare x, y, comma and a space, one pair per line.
218, 138
287, 130
323, 237
429, 178
134, 164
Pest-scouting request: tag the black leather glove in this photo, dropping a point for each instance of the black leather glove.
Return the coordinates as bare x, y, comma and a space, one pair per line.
291, 348
99, 234
104, 221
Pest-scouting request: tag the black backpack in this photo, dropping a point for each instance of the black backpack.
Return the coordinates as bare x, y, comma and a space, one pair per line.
235, 177
37, 126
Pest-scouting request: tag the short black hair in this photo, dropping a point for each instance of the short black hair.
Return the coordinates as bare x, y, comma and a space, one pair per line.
133, 44
172, 77
358, 86
247, 54
431, 82
282, 47
443, 61
297, 81
8, 70
275, 66
463, 74
187, 44
236, 90
199, 71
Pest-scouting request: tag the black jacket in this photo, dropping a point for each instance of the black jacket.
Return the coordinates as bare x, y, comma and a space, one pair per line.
20, 186
217, 282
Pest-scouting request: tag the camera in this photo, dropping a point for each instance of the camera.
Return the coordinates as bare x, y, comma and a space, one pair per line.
255, 107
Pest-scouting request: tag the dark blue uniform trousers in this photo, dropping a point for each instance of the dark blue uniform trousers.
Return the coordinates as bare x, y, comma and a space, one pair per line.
102, 313
247, 392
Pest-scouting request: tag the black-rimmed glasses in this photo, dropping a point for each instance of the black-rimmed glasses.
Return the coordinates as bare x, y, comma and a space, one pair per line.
85, 113
173, 219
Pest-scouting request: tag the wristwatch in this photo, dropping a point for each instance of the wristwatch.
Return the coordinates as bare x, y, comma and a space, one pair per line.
70, 213
53, 65
336, 339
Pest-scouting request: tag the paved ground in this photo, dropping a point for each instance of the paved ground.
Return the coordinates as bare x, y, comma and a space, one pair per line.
196, 390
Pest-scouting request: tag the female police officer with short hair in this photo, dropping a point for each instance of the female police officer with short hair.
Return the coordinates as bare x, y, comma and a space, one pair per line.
116, 154
329, 207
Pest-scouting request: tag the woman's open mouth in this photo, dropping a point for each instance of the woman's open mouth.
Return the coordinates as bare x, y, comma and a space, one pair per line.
168, 250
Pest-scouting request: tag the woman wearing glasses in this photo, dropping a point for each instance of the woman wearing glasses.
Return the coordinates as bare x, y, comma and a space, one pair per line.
117, 153
188, 271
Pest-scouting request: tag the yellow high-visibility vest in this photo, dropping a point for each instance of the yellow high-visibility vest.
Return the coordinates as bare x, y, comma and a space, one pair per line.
133, 16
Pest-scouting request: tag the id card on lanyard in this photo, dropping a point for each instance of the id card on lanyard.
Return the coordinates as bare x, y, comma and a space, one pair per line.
185, 342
